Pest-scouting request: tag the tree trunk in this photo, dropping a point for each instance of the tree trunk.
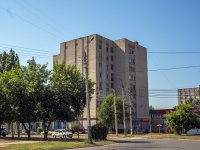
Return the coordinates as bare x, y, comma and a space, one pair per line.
78, 126
18, 125
27, 131
46, 128
12, 130
0, 130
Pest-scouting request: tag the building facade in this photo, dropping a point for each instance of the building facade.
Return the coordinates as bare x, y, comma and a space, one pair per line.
110, 64
187, 93
158, 117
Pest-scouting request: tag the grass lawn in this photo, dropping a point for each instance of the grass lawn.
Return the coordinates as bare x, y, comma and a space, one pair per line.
20, 144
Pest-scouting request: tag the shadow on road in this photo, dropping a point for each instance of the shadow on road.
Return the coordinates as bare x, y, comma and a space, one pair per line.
131, 141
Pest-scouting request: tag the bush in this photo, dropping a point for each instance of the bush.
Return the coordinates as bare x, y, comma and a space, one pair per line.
75, 127
39, 129
49, 133
99, 132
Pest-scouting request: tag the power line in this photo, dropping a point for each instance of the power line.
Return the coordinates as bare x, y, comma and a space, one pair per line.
49, 17
182, 52
30, 23
26, 51
176, 68
39, 17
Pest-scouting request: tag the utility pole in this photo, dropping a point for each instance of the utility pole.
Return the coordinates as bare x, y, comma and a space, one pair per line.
150, 122
199, 91
115, 110
130, 101
124, 116
87, 93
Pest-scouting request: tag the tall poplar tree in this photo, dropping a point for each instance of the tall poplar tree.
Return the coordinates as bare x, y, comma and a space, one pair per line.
8, 60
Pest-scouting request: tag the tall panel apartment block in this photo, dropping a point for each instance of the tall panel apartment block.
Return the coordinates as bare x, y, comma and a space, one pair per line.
107, 61
187, 93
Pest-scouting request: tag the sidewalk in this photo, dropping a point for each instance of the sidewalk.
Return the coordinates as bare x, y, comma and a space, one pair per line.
126, 138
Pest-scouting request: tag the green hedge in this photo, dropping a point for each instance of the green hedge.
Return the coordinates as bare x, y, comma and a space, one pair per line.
75, 128
99, 132
39, 129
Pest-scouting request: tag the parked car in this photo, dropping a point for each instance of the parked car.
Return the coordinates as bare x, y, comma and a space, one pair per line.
61, 133
4, 132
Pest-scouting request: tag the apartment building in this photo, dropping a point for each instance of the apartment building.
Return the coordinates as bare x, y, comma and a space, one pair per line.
110, 64
187, 93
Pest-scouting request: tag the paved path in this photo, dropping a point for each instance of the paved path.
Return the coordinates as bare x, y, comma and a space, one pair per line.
149, 144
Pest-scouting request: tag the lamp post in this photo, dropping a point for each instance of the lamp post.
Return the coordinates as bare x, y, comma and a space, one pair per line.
124, 117
131, 124
87, 92
199, 91
115, 110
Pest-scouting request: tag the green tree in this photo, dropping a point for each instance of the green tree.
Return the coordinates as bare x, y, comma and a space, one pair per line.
7, 61
13, 90
151, 107
39, 93
105, 112
63, 97
183, 118
69, 86
32, 93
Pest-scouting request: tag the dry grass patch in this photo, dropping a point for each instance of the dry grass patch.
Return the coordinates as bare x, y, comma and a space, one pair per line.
157, 136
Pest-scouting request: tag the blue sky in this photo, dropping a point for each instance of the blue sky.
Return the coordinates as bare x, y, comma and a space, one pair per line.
36, 28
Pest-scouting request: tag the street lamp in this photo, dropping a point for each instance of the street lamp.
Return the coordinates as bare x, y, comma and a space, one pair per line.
130, 102
115, 110
124, 117
87, 93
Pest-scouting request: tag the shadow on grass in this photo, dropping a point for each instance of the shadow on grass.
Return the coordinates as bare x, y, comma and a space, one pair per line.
41, 139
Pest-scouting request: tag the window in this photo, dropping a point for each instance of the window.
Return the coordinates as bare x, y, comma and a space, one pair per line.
100, 46
130, 51
107, 85
107, 58
112, 77
130, 77
100, 55
107, 67
132, 87
111, 67
111, 57
100, 74
131, 69
112, 86
100, 65
131, 60
111, 49
100, 86
106, 49
107, 76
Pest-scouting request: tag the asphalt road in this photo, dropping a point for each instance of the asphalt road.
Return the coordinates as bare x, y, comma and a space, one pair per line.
148, 144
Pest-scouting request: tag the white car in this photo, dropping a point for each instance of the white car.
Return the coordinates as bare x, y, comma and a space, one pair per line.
61, 133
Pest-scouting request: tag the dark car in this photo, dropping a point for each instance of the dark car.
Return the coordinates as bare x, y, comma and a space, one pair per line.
3, 132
